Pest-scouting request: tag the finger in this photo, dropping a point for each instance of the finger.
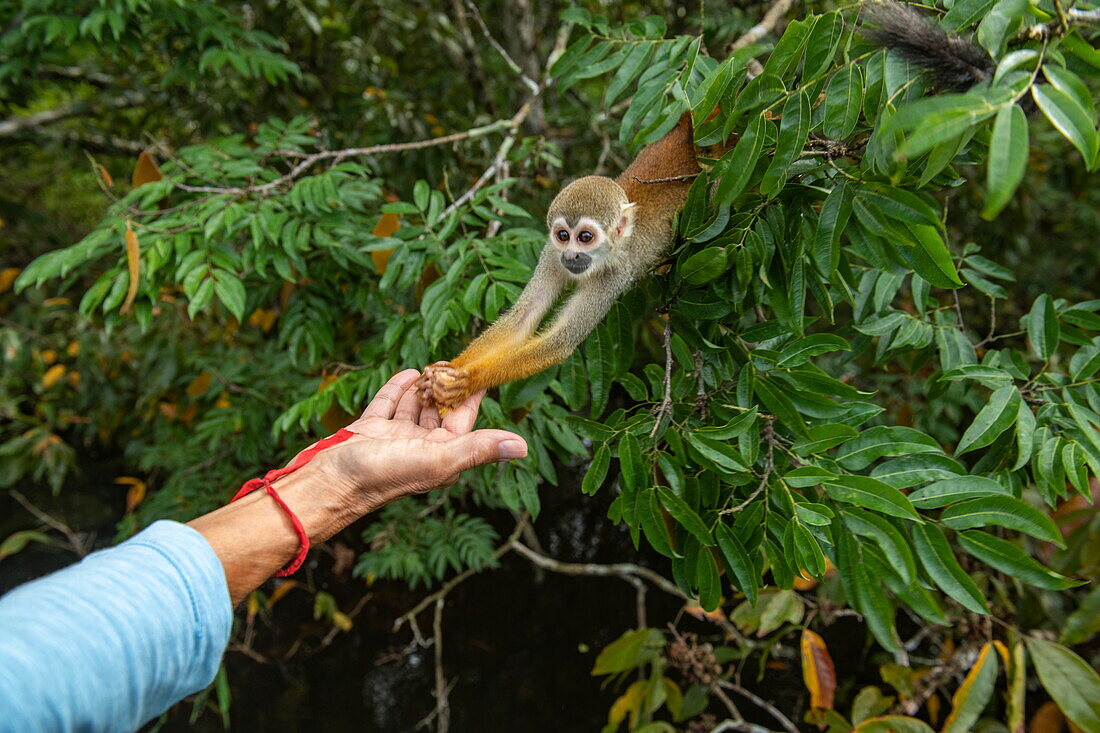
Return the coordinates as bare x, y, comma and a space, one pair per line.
461, 419
408, 407
484, 446
385, 401
429, 417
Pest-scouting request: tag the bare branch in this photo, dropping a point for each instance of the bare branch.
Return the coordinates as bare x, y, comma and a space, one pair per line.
74, 540
15, 125
766, 25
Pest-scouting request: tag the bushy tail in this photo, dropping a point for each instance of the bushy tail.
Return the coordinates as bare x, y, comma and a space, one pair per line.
956, 63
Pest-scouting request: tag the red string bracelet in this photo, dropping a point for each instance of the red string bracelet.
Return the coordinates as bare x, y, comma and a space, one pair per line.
300, 460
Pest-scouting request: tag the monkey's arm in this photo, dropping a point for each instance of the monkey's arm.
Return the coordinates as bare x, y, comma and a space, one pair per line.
518, 323
451, 383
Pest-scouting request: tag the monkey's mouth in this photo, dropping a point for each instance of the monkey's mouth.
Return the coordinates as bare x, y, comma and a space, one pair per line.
577, 264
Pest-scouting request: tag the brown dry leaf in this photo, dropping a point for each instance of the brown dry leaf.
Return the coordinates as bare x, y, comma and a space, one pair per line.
386, 226
107, 176
53, 375
146, 170
1047, 719
7, 278
818, 671
50, 302
133, 265
199, 384
74, 379
933, 707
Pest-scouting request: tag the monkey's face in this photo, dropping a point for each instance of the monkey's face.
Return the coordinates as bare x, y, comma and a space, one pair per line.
589, 219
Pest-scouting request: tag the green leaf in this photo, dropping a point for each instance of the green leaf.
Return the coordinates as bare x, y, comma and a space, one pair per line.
823, 437
631, 464
720, 456
871, 493
794, 128
685, 516
895, 546
706, 577
735, 167
805, 476
907, 471
704, 266
1004, 511
738, 561
597, 471
1042, 326
935, 555
995, 417
734, 428
933, 120
800, 351
1001, 22
876, 608
1008, 150
834, 216
632, 649
843, 101
1070, 119
1070, 680
930, 257
956, 489
898, 204
230, 291
653, 523
632, 65
1011, 560
1083, 623
974, 694
878, 442
1085, 362
16, 541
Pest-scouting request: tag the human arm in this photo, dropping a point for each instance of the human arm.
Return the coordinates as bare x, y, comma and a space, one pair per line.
397, 448
112, 641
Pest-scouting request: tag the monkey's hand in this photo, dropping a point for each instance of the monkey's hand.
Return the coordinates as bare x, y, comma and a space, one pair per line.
445, 386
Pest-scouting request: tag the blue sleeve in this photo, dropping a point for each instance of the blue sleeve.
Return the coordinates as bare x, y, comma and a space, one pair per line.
113, 641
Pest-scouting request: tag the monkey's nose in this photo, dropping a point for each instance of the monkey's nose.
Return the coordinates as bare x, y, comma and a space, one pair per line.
575, 262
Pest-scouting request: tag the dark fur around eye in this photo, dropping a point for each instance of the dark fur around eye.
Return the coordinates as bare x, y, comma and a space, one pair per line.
562, 235
585, 237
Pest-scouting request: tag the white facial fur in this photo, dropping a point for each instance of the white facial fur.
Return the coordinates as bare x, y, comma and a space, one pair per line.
585, 246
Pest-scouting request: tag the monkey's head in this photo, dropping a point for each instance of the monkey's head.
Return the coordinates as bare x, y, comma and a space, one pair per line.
588, 220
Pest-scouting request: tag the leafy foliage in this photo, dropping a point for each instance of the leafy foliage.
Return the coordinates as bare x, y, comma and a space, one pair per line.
855, 399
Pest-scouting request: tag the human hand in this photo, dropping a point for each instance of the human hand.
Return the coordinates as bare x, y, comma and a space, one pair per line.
400, 447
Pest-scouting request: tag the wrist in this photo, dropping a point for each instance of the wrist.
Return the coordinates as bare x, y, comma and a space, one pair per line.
323, 503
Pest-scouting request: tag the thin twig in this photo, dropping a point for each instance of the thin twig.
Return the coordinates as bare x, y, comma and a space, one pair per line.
666, 402
531, 84
766, 25
623, 570
442, 711
74, 541
670, 179
760, 702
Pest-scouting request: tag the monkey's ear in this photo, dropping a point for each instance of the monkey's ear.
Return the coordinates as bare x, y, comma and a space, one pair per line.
626, 220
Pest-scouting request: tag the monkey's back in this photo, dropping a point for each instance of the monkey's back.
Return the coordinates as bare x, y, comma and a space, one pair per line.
672, 156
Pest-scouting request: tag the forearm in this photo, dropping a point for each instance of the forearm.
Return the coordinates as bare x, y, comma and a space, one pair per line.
253, 537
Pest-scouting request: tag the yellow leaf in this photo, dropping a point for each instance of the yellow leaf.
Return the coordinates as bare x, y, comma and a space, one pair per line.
341, 621
133, 265
199, 384
1017, 689
818, 671
50, 302
7, 277
253, 605
73, 349
627, 702
281, 590
134, 496
49, 356
74, 379
53, 375
933, 706
223, 401
973, 694
146, 170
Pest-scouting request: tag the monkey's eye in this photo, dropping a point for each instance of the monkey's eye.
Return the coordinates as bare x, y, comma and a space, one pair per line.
585, 237
562, 235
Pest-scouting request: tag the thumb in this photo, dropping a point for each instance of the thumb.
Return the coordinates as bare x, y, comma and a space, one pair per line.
485, 446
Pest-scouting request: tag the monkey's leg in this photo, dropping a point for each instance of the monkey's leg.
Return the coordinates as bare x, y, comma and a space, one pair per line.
452, 384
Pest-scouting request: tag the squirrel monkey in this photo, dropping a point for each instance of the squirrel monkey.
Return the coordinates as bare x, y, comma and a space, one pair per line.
606, 234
